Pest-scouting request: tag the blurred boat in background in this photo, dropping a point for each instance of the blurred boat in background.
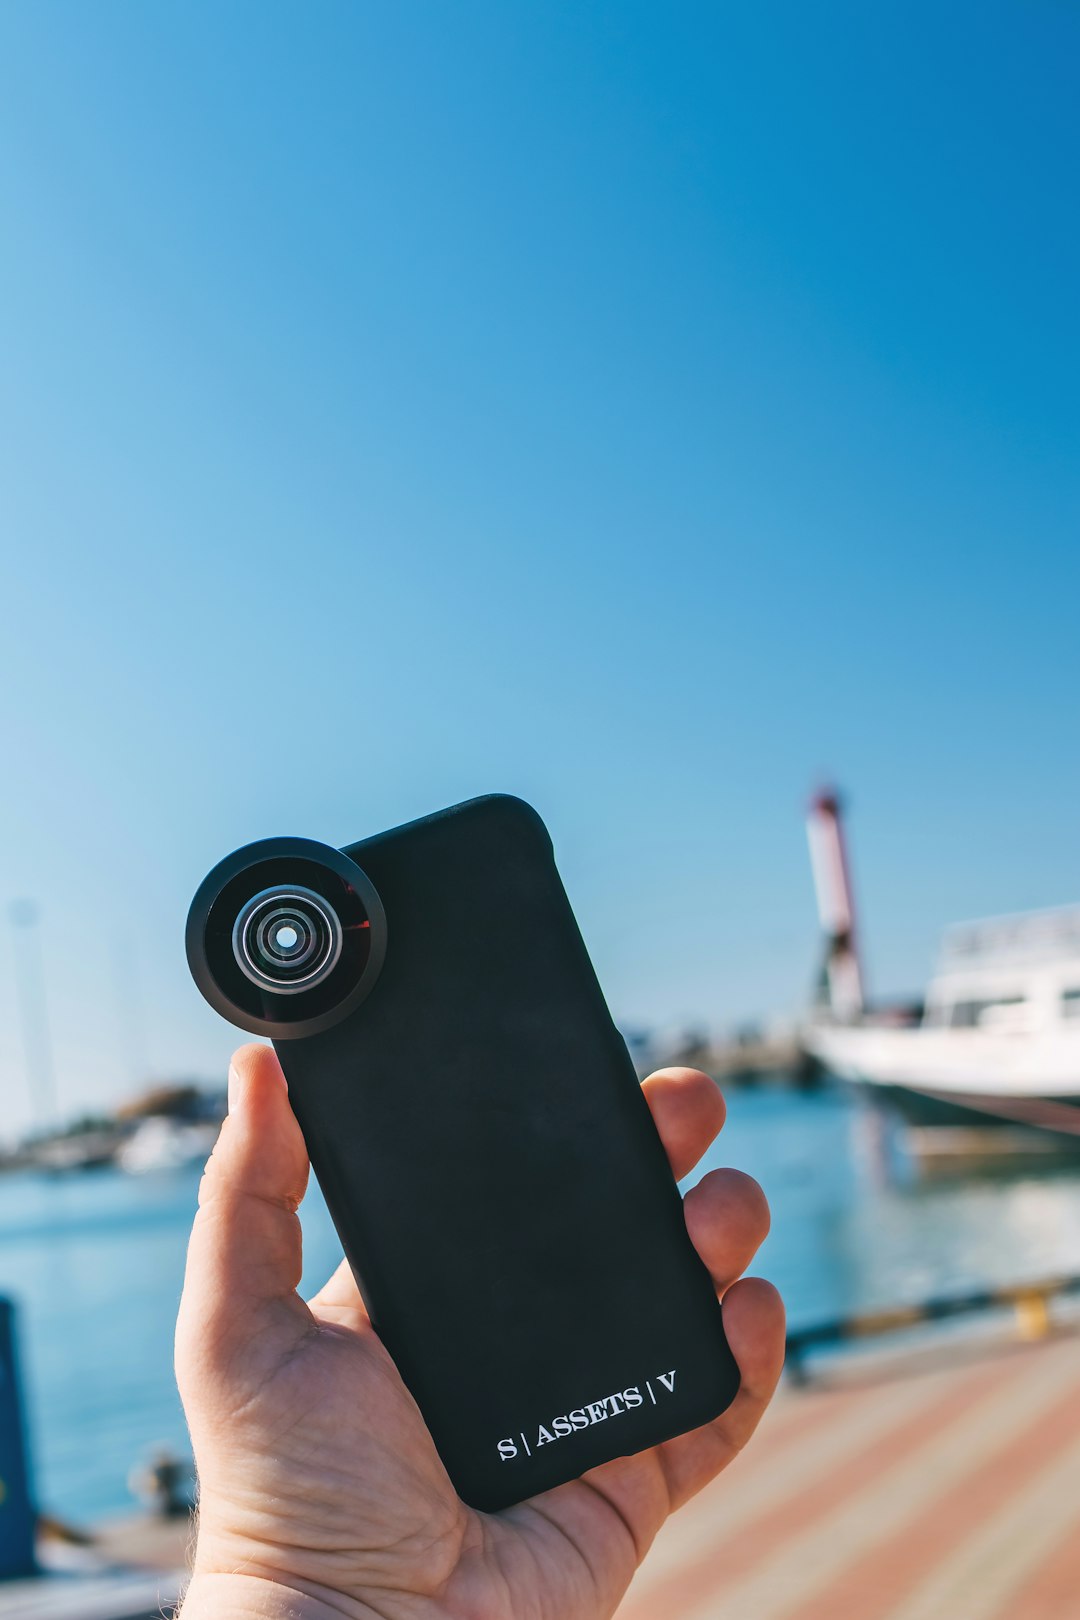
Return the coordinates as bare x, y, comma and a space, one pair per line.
165, 1144
166, 1127
997, 1039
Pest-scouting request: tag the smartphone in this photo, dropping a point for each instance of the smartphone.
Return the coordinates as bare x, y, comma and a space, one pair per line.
477, 1128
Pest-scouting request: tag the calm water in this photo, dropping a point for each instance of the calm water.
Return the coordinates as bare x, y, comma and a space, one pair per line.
95, 1264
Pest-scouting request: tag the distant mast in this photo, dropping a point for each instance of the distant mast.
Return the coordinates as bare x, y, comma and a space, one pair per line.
33, 1011
840, 986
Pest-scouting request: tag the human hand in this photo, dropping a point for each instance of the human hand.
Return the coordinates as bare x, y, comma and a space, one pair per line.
321, 1492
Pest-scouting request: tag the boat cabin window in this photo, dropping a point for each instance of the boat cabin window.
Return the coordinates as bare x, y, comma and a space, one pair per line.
967, 1014
1070, 1002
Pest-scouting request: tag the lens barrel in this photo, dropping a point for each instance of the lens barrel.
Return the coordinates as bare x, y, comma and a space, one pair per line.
285, 937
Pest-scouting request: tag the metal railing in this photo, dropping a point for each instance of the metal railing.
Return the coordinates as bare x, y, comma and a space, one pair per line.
1030, 1302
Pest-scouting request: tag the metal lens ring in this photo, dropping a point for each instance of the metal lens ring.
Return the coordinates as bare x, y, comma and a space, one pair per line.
287, 939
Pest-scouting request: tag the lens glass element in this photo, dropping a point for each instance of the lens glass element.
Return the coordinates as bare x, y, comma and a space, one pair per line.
287, 939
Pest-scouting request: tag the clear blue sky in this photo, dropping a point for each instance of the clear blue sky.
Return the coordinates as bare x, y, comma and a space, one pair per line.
649, 409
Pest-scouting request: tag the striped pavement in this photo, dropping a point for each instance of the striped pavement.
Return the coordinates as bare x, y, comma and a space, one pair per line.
944, 1494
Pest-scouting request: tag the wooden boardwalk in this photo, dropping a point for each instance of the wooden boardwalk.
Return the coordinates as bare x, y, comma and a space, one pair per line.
943, 1494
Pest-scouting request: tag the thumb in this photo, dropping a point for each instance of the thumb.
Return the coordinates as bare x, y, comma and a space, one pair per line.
245, 1248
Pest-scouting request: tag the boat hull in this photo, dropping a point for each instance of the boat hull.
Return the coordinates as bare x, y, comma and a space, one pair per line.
936, 1077
924, 1108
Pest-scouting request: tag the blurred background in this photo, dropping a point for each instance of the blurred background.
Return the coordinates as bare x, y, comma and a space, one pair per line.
666, 413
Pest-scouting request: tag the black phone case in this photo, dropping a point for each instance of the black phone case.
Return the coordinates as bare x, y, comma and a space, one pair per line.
492, 1168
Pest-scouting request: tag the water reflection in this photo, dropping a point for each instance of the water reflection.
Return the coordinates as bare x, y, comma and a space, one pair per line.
855, 1228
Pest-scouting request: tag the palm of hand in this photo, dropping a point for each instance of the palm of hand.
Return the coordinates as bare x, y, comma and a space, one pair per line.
317, 1473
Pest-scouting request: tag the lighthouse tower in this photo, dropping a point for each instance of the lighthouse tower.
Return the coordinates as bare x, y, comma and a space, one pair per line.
840, 985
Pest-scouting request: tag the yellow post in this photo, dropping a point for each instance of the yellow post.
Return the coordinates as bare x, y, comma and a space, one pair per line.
1032, 1315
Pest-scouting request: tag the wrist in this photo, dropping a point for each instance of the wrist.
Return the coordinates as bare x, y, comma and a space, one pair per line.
231, 1595
255, 1565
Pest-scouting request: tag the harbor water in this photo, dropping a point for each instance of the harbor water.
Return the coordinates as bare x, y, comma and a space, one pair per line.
94, 1262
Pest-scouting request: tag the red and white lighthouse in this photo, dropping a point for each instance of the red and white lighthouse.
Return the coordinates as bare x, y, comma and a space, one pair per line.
841, 982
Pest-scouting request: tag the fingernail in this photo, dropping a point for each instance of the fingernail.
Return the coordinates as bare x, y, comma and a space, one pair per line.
235, 1089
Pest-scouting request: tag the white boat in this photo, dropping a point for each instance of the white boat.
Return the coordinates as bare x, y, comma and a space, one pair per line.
165, 1144
998, 1037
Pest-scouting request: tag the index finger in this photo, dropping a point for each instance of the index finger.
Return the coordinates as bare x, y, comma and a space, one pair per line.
688, 1111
